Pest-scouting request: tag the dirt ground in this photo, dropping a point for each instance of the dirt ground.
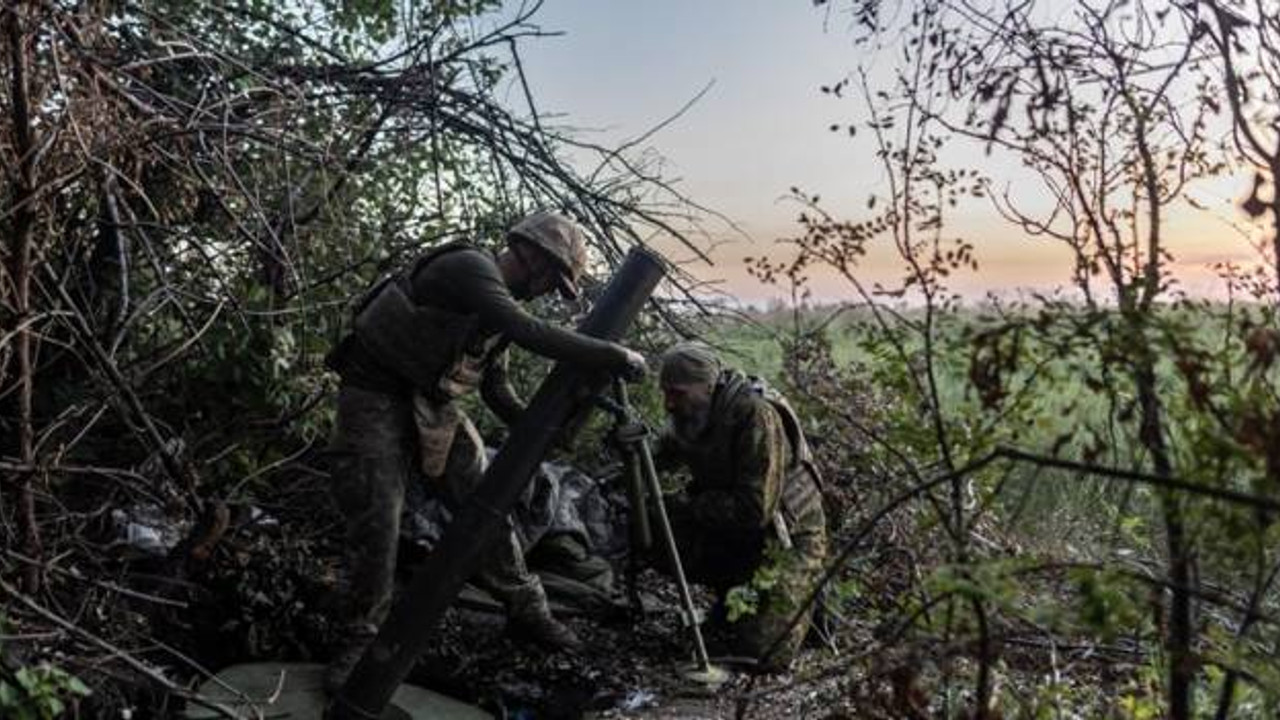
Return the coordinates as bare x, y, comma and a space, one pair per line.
268, 593
630, 668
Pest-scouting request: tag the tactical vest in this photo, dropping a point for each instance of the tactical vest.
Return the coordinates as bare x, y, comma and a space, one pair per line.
442, 353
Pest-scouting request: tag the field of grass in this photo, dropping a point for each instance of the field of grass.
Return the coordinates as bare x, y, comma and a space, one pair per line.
1057, 415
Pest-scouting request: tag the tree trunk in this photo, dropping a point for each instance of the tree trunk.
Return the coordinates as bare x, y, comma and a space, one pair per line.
20, 258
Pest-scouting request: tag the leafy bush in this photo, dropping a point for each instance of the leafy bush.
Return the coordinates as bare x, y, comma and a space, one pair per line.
39, 692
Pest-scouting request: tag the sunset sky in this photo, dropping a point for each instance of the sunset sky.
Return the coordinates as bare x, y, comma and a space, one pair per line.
620, 68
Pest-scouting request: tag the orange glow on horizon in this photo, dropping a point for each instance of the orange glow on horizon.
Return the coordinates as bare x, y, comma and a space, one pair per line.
1010, 264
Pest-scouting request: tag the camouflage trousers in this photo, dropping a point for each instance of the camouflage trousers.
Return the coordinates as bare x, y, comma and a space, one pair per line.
789, 577
374, 453
772, 580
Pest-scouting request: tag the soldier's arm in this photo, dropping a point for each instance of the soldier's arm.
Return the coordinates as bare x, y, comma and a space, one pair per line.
760, 450
481, 288
498, 393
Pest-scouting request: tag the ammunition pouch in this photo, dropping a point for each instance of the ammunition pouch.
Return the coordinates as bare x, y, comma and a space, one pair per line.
437, 425
801, 492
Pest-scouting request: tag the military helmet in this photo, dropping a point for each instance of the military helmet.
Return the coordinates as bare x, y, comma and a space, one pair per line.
562, 240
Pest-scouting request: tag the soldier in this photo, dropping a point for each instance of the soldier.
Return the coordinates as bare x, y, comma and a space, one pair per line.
751, 517
421, 340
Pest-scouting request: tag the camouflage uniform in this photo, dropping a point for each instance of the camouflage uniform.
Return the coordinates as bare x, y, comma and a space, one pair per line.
373, 451
750, 464
421, 340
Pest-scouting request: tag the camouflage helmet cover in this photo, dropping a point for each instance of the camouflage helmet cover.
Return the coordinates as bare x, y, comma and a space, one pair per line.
562, 240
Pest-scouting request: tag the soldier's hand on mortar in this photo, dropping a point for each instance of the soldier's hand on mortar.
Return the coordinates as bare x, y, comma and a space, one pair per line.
636, 365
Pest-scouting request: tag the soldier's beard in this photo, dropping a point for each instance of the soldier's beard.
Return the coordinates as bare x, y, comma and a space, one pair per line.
689, 426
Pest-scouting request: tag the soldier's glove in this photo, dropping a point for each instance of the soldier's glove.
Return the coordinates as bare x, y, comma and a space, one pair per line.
635, 368
630, 432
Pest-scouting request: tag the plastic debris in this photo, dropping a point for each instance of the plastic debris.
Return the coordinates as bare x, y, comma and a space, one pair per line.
146, 528
638, 699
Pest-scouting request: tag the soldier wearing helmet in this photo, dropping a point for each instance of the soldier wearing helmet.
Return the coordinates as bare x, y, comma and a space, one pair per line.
420, 341
561, 242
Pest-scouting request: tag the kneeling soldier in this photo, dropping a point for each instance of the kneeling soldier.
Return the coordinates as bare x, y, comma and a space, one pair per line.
754, 501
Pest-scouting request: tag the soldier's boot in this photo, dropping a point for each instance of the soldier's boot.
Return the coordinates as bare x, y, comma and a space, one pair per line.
529, 617
544, 631
504, 575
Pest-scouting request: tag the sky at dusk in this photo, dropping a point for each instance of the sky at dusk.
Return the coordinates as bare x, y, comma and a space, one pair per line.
761, 127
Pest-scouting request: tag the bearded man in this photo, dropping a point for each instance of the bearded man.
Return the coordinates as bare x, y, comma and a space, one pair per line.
422, 340
751, 519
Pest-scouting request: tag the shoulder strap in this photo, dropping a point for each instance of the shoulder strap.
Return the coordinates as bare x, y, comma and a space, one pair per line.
407, 275
801, 455
404, 275
790, 420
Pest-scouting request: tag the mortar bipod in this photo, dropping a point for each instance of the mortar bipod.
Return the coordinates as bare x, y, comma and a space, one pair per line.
632, 438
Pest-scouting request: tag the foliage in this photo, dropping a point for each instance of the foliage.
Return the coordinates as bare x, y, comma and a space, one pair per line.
196, 192
1110, 437
744, 600
41, 691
